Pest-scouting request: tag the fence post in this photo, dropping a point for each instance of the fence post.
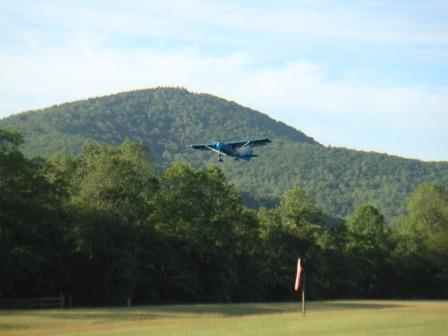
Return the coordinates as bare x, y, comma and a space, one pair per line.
62, 300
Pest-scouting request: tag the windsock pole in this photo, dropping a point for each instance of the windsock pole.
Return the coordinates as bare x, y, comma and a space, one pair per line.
303, 294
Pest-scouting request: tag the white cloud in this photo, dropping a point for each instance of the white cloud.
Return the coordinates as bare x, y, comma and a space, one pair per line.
200, 20
297, 93
302, 87
57, 52
81, 69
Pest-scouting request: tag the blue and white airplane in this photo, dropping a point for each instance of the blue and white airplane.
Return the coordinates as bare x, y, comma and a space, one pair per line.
238, 150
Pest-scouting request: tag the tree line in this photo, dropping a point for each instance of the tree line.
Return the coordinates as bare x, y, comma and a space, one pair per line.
108, 227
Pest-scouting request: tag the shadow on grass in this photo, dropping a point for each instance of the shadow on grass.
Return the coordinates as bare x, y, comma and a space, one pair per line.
354, 305
198, 310
278, 308
169, 311
242, 309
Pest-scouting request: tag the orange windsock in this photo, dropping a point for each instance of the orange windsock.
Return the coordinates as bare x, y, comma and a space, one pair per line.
298, 283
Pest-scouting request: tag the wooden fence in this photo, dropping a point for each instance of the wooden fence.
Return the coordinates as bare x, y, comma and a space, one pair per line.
51, 302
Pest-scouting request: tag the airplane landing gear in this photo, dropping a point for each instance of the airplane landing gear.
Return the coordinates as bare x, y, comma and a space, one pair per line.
219, 157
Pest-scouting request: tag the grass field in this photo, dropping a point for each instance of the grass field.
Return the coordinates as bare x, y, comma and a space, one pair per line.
323, 318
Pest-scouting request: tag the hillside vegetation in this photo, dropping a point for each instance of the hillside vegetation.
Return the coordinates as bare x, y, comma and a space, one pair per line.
167, 120
108, 227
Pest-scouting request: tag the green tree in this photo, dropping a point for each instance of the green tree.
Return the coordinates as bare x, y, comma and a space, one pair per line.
367, 247
289, 231
112, 191
423, 241
31, 225
299, 211
202, 216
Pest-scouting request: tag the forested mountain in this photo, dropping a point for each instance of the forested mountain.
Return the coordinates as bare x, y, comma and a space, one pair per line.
168, 119
165, 119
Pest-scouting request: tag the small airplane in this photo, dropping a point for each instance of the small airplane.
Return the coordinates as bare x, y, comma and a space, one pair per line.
238, 150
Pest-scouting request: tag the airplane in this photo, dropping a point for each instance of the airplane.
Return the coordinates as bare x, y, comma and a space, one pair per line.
238, 149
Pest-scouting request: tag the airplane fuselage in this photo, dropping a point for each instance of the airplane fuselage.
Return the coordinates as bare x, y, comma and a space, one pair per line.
225, 148
236, 149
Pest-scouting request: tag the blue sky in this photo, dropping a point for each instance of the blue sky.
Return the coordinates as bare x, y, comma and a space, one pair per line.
369, 75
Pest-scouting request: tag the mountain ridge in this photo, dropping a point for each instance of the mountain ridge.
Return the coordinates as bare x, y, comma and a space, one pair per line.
76, 123
169, 119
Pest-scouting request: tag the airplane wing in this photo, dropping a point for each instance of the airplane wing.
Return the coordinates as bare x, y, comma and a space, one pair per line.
207, 147
202, 147
249, 143
259, 142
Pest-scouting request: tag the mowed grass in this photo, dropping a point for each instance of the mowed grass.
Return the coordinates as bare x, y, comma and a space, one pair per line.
322, 318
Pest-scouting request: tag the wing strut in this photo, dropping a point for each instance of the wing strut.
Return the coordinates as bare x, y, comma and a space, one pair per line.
247, 144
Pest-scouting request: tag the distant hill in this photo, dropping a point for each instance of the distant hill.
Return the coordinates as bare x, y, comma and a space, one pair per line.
169, 119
